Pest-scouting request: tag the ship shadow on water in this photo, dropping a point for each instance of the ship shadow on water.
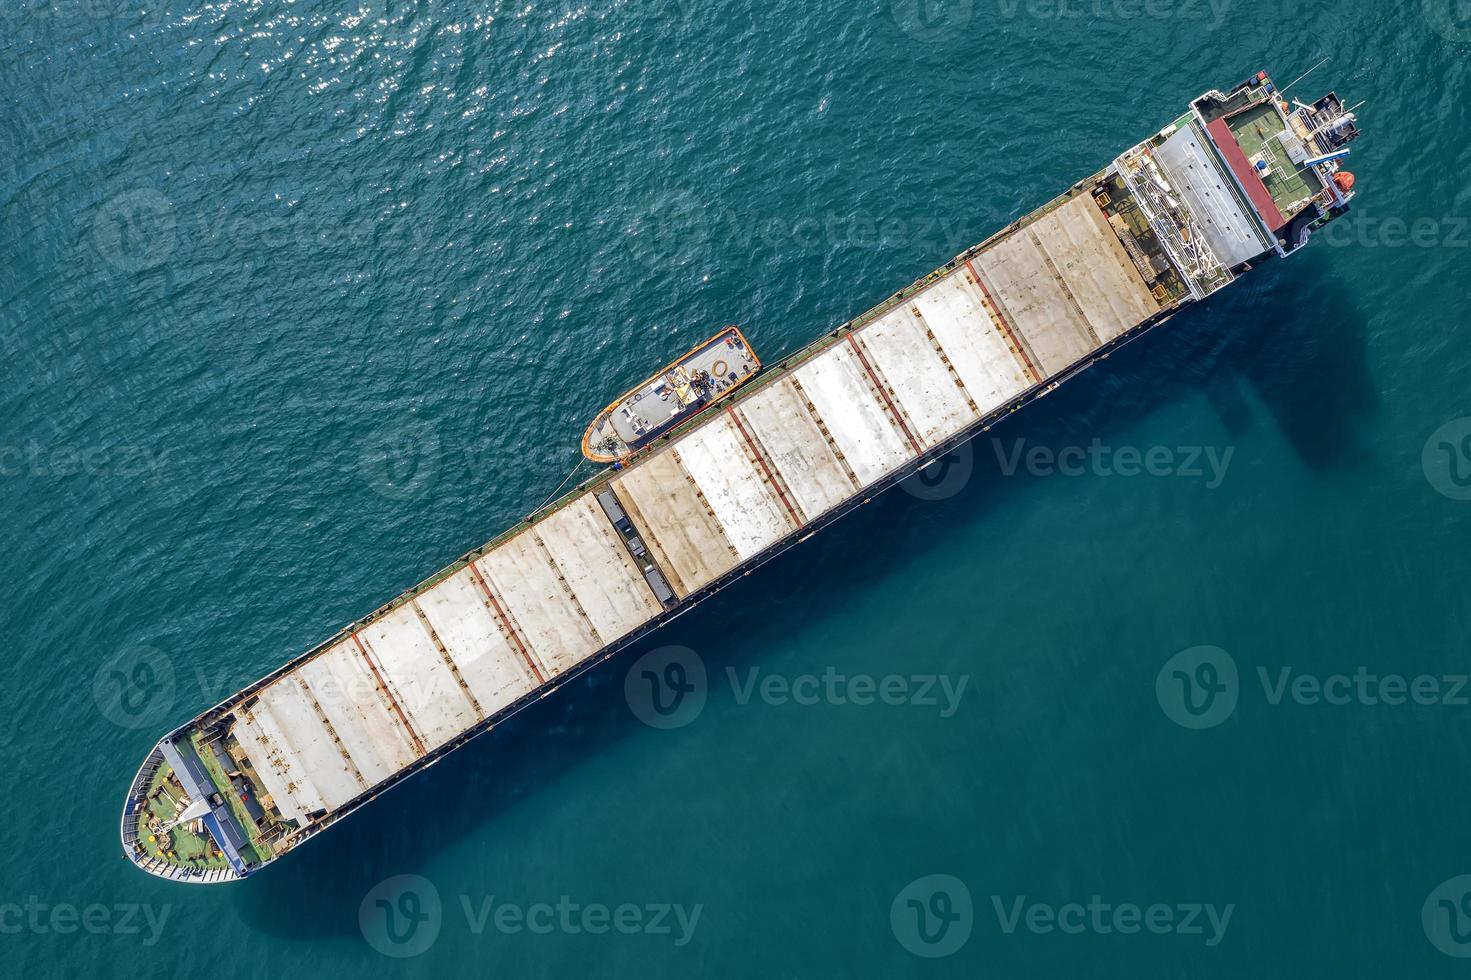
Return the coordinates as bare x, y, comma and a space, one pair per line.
1291, 340
1294, 337
527, 757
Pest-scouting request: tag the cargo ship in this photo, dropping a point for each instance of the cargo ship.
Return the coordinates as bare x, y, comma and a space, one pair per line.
1240, 178
704, 375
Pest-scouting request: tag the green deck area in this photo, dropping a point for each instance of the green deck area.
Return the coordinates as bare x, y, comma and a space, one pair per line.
227, 790
1256, 130
179, 846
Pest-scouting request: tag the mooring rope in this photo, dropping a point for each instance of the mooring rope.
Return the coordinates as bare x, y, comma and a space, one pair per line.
553, 495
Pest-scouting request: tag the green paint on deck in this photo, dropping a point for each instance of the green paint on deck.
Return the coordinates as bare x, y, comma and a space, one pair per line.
1257, 129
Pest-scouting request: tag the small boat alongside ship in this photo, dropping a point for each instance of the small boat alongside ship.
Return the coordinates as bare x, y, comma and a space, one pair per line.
679, 391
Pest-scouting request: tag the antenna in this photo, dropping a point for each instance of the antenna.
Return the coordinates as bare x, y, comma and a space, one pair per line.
1303, 75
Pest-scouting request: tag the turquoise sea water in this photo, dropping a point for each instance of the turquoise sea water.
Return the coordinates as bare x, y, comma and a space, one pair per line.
298, 305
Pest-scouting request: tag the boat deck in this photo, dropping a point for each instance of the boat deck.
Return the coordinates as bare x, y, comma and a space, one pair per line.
705, 375
648, 410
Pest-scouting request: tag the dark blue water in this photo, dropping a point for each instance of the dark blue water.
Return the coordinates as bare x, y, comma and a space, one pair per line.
298, 305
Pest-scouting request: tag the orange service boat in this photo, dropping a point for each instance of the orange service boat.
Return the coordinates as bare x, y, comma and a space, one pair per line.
681, 390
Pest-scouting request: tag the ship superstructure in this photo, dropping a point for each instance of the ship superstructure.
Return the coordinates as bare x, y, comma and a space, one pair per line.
1240, 178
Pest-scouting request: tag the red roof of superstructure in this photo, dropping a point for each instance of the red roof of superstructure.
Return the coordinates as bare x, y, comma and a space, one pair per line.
1261, 198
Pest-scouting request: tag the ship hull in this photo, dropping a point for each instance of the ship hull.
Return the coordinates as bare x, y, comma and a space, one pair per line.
710, 500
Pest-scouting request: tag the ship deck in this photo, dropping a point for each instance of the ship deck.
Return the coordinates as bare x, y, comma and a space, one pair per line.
1256, 131
797, 447
810, 436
